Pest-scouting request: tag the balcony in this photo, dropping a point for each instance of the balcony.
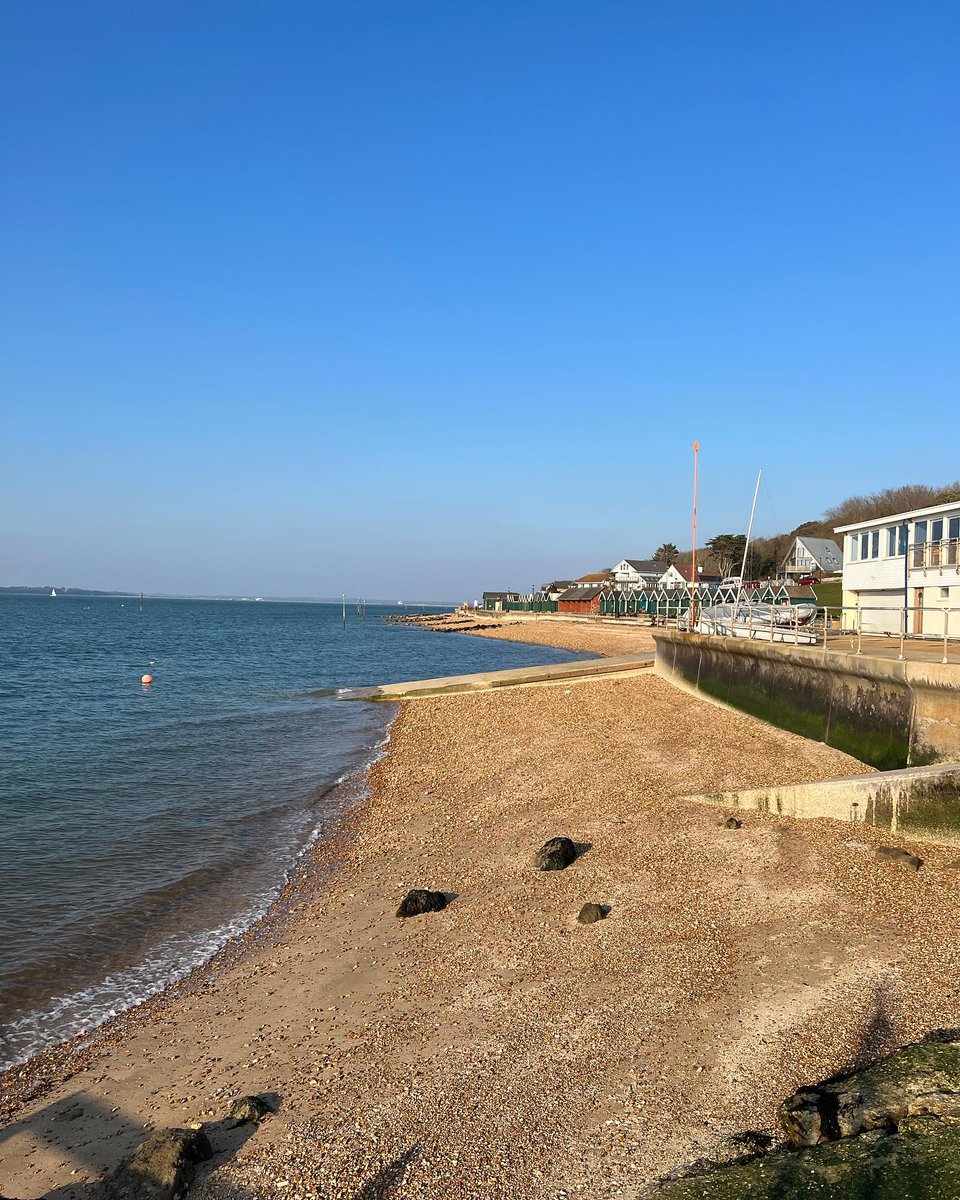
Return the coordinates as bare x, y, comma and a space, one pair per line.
939, 557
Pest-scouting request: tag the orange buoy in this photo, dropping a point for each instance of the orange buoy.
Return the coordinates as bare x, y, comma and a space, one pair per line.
146, 679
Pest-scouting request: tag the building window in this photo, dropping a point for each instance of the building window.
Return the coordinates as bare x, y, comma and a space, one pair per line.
896, 540
854, 546
945, 593
864, 545
875, 544
936, 531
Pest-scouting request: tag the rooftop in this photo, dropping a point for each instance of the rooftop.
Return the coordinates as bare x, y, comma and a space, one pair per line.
895, 518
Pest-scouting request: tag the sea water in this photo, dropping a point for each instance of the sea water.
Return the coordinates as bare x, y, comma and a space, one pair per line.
142, 827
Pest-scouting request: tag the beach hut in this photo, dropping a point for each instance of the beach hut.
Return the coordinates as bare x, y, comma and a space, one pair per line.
582, 600
499, 601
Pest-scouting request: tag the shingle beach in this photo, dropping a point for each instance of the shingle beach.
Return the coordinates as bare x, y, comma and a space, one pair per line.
499, 1048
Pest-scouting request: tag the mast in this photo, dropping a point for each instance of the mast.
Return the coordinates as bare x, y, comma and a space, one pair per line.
693, 565
746, 548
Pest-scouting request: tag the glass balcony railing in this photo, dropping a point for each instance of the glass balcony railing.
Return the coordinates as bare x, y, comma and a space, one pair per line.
935, 556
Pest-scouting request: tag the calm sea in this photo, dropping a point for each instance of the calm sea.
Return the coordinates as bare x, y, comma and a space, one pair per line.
141, 827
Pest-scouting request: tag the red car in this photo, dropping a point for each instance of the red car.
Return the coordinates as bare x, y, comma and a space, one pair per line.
806, 580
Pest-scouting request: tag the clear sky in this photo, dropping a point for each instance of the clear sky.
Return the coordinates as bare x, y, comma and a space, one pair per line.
413, 299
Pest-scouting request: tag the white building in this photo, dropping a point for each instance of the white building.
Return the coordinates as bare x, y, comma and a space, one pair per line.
679, 575
812, 556
638, 572
909, 561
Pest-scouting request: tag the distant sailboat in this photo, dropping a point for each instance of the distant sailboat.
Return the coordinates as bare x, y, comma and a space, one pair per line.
53, 591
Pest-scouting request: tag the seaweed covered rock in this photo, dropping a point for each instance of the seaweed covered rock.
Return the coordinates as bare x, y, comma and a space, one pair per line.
247, 1110
159, 1169
555, 855
921, 1161
420, 900
919, 1080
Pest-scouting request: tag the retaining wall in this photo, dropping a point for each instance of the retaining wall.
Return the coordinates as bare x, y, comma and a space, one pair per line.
887, 713
920, 801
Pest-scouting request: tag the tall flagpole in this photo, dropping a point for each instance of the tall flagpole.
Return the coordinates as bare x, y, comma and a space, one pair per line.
693, 565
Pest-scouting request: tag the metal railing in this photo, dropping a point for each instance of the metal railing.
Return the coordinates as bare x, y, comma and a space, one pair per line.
935, 556
913, 631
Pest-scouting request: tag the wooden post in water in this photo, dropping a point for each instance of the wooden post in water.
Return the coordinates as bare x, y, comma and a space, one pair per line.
344, 614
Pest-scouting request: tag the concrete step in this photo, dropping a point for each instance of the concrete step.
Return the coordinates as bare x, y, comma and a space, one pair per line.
485, 680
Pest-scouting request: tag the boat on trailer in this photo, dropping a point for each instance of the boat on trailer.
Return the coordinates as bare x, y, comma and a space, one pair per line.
767, 623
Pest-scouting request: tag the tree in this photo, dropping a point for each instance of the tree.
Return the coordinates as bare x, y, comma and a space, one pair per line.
888, 501
727, 549
667, 553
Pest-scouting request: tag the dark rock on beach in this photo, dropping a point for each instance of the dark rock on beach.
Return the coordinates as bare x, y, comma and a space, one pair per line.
921, 1161
591, 913
889, 1132
159, 1169
898, 855
732, 823
246, 1110
555, 855
919, 1080
420, 900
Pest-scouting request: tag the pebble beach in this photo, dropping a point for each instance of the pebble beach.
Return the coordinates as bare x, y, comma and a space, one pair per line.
499, 1048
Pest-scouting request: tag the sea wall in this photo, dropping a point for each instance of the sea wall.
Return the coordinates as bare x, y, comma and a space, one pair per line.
884, 712
918, 801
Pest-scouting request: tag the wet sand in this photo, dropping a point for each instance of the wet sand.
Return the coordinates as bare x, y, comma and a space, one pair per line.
499, 1048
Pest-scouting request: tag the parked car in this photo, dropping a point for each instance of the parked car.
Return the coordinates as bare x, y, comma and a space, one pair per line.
807, 580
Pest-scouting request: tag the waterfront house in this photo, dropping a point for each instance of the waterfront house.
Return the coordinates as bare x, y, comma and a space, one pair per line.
811, 556
638, 572
594, 579
906, 561
553, 590
680, 574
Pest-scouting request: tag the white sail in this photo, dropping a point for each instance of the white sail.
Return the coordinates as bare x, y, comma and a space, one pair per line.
53, 591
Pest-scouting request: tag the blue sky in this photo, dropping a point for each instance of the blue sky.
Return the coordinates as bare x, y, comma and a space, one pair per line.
421, 298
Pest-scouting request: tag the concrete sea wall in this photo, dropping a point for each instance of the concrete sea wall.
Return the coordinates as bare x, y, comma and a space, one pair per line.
884, 712
917, 801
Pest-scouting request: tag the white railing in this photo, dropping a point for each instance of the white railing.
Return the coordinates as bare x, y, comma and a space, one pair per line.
910, 629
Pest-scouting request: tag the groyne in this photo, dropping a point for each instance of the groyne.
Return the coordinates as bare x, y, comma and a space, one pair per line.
483, 681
